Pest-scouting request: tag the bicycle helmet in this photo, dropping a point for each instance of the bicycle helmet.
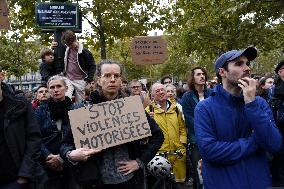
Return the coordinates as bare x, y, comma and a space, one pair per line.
160, 167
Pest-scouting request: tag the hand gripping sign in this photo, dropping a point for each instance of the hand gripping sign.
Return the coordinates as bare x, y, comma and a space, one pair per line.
110, 123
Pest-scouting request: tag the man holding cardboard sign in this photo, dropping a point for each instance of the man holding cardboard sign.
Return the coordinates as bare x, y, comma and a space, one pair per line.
112, 121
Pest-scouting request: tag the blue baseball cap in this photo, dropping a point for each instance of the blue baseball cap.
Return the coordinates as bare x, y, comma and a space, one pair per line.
250, 53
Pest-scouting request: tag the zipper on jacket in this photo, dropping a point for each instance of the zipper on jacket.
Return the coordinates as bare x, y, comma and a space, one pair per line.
80, 66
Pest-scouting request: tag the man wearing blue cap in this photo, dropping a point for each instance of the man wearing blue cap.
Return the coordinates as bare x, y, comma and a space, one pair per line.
234, 128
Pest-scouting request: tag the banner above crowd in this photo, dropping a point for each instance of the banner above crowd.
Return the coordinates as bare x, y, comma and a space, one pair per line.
149, 50
4, 20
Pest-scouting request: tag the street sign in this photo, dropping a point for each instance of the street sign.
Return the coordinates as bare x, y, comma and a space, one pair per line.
4, 20
57, 15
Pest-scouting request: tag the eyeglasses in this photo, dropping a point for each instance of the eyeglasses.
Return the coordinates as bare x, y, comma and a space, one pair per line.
108, 76
159, 90
136, 87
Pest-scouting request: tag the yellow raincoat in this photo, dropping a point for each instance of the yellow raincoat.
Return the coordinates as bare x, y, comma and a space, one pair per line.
174, 131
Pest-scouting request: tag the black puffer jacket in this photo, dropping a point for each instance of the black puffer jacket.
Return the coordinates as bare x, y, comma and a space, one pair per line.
23, 137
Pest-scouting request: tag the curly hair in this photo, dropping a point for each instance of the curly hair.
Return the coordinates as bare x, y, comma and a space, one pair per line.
191, 81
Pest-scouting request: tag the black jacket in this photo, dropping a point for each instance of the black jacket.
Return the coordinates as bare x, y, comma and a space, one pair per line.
277, 106
140, 149
46, 71
23, 137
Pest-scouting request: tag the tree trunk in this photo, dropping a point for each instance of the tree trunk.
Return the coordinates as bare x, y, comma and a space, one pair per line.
101, 31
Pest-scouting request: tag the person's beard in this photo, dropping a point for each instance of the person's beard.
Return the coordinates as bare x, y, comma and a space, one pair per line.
235, 83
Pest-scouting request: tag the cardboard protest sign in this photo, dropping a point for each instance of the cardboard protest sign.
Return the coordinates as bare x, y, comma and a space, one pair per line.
110, 123
149, 50
4, 20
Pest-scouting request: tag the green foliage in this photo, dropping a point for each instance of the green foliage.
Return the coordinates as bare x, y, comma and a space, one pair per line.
266, 62
17, 56
205, 29
116, 19
197, 32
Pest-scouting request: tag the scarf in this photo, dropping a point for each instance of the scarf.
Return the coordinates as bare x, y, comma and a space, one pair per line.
59, 110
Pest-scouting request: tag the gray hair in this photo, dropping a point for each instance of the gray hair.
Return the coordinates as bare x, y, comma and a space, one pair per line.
154, 85
57, 77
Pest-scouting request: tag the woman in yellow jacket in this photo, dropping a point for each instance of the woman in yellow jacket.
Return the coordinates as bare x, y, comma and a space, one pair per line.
169, 119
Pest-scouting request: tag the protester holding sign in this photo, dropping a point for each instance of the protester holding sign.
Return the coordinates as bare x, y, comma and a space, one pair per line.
119, 166
54, 122
136, 89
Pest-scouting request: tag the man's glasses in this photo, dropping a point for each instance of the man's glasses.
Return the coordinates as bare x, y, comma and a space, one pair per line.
108, 76
159, 90
136, 87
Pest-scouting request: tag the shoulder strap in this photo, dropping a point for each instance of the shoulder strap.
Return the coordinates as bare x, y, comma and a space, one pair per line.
271, 92
177, 111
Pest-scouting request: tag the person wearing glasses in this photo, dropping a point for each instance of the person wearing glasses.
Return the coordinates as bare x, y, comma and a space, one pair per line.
119, 166
136, 89
234, 128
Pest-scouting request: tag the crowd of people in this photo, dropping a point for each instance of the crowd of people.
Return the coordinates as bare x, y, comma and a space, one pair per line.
228, 129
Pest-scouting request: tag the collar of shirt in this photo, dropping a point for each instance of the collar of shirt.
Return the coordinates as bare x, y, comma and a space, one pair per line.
168, 104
